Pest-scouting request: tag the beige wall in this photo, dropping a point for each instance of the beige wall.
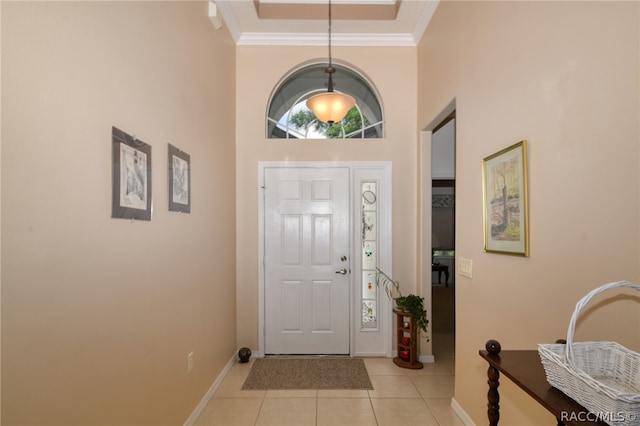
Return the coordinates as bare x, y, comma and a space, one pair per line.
393, 72
564, 76
99, 314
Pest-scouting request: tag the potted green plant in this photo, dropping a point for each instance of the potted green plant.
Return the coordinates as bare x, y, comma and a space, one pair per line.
411, 303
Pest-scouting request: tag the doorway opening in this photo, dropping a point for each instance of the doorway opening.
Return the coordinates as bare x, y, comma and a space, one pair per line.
443, 250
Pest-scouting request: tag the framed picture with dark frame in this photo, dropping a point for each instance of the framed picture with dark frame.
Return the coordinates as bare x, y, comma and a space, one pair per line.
505, 199
131, 160
179, 180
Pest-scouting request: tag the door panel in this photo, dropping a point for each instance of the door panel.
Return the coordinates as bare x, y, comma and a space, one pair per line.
306, 235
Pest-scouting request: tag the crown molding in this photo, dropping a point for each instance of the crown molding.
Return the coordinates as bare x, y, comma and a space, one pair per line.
229, 19
296, 39
424, 19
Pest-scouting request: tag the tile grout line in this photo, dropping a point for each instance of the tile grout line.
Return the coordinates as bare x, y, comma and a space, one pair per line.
373, 408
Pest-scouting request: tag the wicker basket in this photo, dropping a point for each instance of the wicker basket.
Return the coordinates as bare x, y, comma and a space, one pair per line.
604, 377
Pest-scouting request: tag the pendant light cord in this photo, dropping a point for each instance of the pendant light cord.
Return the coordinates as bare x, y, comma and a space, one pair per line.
330, 107
330, 34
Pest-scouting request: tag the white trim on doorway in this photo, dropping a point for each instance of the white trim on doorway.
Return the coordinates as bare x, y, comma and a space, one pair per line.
362, 342
425, 224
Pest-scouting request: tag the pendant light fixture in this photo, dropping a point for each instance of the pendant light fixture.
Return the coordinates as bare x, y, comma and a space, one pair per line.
330, 107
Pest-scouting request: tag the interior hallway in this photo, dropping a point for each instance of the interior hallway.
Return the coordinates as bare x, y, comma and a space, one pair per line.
400, 397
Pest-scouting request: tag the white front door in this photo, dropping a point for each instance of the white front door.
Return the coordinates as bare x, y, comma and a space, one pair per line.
306, 249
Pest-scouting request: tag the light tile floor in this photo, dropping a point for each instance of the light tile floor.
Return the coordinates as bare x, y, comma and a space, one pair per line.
401, 397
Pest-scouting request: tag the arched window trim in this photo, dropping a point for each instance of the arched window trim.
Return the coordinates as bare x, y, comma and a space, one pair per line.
290, 132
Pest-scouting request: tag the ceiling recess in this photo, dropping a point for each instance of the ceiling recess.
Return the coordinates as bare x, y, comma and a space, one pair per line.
349, 10
303, 22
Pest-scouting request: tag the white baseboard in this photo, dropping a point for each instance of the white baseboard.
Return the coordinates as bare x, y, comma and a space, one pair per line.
461, 413
370, 354
428, 359
214, 387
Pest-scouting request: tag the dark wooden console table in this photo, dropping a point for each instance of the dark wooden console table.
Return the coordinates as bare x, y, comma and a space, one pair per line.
525, 370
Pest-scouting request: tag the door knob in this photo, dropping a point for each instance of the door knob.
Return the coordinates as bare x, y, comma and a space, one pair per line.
342, 271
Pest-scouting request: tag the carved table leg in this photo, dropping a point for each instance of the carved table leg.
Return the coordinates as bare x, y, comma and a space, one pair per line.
493, 396
493, 379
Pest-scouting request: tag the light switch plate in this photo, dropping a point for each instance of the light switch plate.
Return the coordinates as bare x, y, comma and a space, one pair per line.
190, 362
465, 267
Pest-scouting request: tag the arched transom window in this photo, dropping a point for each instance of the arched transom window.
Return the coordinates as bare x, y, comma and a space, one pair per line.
289, 118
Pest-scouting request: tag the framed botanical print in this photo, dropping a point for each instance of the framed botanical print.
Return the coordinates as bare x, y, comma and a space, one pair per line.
506, 209
131, 163
179, 180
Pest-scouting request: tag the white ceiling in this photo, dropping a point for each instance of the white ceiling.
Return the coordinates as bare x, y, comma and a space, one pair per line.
305, 22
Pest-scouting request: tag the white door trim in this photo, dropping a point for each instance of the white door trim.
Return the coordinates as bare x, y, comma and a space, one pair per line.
384, 258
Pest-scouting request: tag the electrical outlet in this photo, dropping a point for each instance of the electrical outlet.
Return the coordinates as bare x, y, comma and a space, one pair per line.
465, 267
190, 362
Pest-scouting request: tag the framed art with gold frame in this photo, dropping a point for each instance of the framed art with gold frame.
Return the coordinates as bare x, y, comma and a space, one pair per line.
505, 201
